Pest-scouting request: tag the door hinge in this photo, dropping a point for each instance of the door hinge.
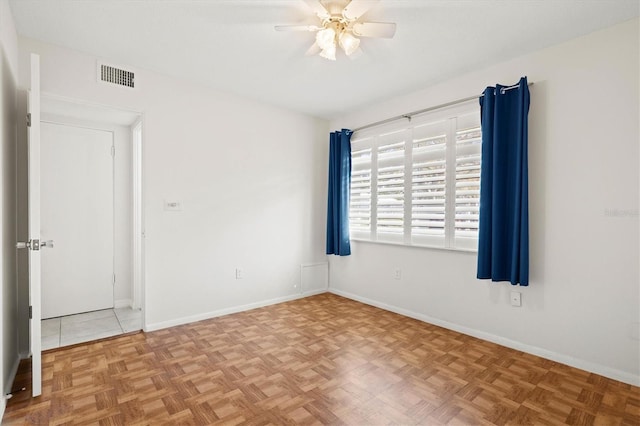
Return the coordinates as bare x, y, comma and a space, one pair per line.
30, 312
28, 119
114, 279
113, 151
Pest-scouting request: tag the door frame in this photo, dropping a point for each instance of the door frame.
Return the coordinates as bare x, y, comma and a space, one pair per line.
137, 168
137, 156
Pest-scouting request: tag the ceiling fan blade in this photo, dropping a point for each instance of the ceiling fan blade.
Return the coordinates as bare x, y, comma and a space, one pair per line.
309, 28
318, 9
356, 8
374, 29
313, 50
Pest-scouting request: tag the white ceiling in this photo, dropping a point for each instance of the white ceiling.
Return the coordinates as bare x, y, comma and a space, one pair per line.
231, 44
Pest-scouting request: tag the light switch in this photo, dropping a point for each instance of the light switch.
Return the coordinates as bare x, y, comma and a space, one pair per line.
172, 206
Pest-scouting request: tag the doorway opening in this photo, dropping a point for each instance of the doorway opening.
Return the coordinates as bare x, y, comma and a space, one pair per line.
92, 283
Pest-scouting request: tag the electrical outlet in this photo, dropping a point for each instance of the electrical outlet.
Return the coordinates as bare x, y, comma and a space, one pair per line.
516, 298
397, 274
239, 274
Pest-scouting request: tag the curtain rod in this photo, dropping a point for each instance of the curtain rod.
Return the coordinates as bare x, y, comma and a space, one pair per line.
422, 111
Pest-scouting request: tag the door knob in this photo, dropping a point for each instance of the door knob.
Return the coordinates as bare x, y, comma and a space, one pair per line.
23, 244
34, 244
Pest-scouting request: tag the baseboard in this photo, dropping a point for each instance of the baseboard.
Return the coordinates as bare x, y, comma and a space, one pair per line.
602, 370
122, 303
314, 292
12, 376
227, 311
8, 386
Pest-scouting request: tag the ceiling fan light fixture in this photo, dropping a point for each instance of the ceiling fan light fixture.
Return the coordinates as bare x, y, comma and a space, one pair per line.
329, 53
349, 43
341, 26
326, 38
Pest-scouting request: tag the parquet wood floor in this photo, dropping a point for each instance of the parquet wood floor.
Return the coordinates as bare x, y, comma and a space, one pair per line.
319, 360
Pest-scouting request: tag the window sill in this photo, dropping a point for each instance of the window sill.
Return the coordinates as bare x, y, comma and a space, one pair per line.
417, 246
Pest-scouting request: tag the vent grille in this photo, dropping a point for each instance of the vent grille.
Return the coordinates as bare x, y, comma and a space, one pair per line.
117, 76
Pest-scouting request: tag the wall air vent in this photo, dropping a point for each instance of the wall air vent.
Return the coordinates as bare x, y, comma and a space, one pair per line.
115, 75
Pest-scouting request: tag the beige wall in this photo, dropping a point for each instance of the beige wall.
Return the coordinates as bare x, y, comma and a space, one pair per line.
582, 306
8, 295
251, 179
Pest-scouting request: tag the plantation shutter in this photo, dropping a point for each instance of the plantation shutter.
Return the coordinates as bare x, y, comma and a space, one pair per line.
428, 183
467, 200
390, 186
417, 182
360, 204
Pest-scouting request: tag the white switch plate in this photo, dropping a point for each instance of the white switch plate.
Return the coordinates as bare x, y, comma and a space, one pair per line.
172, 206
516, 298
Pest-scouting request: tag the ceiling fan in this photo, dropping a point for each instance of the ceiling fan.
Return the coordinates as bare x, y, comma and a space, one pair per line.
341, 25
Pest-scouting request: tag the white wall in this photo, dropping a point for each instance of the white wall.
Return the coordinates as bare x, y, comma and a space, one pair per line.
250, 177
582, 305
8, 36
8, 295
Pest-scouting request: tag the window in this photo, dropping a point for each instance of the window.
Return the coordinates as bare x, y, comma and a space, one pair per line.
360, 204
418, 183
389, 185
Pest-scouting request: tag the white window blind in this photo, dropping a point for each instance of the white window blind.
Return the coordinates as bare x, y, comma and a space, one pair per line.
419, 183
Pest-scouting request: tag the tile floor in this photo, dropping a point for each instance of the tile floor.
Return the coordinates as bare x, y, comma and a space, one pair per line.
72, 329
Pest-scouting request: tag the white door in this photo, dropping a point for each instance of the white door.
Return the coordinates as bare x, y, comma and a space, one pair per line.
77, 209
33, 134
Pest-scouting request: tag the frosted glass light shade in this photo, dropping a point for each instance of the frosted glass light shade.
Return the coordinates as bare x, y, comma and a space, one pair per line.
326, 38
349, 43
329, 53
